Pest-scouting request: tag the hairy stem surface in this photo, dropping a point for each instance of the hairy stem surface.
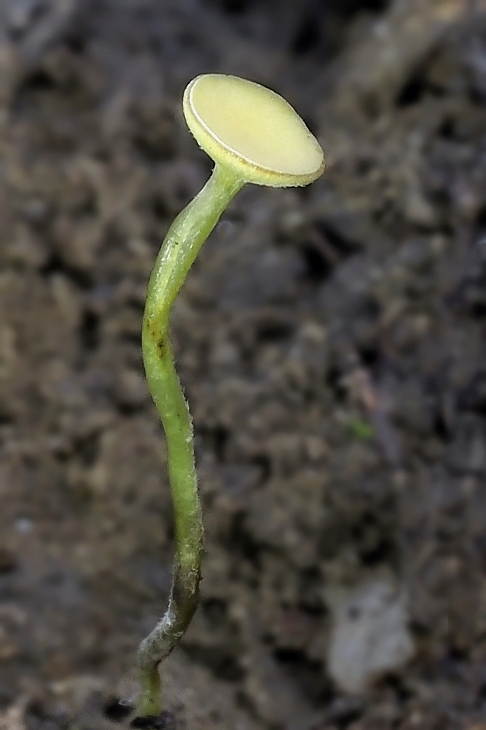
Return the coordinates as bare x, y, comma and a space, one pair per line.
179, 249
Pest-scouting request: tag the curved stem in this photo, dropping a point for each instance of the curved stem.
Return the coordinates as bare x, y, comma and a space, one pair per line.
181, 245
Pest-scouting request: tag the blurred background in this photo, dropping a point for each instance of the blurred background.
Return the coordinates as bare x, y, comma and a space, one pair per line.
331, 341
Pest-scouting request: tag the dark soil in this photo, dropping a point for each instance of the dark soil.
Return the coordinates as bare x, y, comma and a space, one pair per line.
331, 342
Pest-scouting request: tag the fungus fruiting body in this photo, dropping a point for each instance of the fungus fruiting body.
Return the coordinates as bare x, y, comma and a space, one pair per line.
252, 131
253, 135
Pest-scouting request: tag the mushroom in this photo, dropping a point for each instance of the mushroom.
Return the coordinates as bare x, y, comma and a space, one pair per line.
254, 136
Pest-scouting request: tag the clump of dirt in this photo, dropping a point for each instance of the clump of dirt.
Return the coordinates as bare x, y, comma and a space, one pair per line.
331, 342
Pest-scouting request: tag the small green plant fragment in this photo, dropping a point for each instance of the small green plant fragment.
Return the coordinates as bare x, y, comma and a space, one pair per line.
361, 429
253, 135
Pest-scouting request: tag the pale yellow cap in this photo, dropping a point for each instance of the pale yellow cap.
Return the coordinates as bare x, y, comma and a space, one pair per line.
253, 130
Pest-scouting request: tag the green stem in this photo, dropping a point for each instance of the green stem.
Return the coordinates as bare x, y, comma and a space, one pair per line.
181, 245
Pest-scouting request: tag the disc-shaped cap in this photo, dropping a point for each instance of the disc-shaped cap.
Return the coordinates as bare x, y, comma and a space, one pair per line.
252, 130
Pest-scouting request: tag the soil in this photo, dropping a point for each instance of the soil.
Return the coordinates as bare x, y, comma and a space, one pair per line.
331, 342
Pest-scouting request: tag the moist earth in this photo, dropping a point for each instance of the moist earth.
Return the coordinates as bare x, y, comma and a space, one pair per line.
330, 340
